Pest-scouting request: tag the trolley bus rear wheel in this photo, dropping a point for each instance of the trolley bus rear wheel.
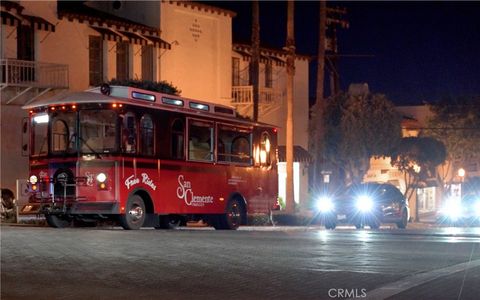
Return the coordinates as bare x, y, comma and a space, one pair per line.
233, 217
134, 216
56, 221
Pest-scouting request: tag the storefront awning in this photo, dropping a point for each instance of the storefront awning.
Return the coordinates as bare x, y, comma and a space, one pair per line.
299, 154
134, 38
277, 61
39, 23
158, 42
108, 34
9, 19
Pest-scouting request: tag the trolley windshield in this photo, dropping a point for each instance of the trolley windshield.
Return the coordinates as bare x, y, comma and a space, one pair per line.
63, 133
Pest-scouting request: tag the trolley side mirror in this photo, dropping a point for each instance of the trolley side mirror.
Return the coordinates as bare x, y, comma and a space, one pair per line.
25, 136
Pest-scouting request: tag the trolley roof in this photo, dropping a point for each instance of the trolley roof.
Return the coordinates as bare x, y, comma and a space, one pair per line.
140, 97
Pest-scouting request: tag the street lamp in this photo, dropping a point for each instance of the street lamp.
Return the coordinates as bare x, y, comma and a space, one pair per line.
461, 174
417, 168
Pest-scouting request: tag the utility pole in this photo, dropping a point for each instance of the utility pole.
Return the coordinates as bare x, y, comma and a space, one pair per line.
255, 63
320, 105
329, 20
290, 47
334, 20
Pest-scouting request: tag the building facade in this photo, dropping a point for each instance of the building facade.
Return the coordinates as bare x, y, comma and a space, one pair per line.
429, 194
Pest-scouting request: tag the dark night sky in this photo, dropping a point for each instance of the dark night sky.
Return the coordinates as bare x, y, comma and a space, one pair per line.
420, 51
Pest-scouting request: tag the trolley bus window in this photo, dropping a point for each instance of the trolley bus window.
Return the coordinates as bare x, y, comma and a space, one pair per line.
129, 133
178, 139
233, 144
98, 131
40, 134
146, 135
241, 150
200, 141
63, 132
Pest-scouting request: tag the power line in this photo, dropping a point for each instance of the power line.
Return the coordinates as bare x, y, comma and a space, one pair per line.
444, 128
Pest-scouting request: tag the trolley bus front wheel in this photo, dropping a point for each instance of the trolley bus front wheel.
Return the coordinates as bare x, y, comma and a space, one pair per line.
233, 217
134, 216
56, 221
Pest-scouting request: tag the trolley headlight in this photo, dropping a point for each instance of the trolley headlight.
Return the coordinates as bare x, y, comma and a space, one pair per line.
324, 204
33, 179
101, 177
41, 118
364, 203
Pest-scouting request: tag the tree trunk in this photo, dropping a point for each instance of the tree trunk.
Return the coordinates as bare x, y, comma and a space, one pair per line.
289, 201
255, 63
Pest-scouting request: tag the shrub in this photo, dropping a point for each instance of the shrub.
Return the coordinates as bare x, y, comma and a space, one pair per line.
259, 220
291, 219
160, 86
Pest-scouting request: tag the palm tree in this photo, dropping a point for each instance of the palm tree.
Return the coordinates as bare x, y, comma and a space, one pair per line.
290, 47
255, 63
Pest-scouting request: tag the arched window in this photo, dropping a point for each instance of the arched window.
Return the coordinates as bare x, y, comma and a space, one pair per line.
147, 135
178, 139
241, 151
59, 136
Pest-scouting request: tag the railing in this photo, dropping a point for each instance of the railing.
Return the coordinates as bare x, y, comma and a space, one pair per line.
22, 73
244, 95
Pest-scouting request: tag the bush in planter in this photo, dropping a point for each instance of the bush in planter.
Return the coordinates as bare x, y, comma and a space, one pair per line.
291, 219
160, 86
259, 220
281, 202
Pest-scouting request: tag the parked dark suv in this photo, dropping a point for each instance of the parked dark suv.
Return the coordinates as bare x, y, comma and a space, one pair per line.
366, 204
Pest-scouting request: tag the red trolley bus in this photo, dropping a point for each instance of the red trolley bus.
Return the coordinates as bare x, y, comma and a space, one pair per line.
147, 159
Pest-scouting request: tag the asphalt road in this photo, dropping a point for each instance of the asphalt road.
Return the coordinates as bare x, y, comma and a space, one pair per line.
253, 263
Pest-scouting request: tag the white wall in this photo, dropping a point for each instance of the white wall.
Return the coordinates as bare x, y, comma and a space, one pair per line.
301, 106
199, 63
9, 41
12, 164
144, 12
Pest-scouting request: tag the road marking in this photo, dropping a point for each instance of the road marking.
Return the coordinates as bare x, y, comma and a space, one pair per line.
409, 282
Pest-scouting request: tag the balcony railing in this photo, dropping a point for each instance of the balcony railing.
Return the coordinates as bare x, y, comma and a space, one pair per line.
22, 73
244, 95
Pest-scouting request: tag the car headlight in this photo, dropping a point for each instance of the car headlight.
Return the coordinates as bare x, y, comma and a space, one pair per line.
364, 203
324, 204
477, 208
452, 209
33, 179
101, 177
